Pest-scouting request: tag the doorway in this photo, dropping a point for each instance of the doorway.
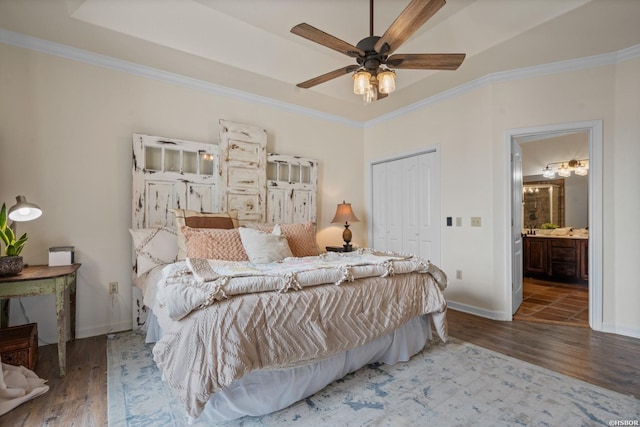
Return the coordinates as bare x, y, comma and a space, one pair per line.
514, 139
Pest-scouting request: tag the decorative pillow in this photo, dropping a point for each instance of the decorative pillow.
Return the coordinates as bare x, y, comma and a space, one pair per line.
195, 219
212, 243
301, 236
263, 247
154, 247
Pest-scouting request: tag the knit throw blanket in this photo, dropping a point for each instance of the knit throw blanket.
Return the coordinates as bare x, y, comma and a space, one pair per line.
234, 333
198, 283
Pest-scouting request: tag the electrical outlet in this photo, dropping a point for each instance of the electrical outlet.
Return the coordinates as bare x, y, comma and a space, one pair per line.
113, 287
476, 221
459, 274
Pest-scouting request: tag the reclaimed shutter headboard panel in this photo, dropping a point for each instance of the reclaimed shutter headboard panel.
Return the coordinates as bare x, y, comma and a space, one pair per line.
172, 173
292, 184
243, 154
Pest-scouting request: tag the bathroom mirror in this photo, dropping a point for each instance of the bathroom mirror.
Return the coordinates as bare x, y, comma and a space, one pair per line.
543, 202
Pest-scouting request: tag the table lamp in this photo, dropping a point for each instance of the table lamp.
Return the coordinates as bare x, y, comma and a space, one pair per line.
344, 214
23, 210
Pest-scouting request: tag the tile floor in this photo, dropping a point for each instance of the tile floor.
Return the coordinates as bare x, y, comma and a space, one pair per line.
551, 302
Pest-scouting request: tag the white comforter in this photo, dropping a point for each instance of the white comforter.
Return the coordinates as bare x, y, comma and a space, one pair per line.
198, 283
285, 315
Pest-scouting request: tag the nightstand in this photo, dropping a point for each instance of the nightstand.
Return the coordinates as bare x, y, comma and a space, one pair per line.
339, 249
43, 280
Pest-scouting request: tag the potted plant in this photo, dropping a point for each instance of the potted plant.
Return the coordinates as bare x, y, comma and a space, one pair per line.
11, 261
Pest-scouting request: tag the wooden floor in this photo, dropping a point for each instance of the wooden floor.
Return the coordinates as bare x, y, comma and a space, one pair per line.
552, 302
79, 399
608, 360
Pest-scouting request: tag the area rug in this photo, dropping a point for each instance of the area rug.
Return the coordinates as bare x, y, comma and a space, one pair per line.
456, 383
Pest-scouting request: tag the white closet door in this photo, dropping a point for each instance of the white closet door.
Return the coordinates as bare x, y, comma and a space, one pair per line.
406, 205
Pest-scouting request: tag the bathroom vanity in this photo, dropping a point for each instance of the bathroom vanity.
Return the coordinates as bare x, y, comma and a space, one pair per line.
557, 259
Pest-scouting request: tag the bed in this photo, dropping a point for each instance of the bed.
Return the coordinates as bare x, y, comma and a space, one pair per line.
247, 314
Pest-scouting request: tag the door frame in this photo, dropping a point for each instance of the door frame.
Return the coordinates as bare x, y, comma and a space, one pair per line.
594, 131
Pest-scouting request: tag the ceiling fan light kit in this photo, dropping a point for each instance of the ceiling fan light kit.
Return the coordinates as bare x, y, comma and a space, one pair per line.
387, 81
361, 83
373, 77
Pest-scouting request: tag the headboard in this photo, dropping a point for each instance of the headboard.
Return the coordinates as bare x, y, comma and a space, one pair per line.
236, 174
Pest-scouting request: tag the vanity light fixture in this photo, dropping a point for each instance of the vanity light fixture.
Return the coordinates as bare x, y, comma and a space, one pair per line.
579, 167
547, 172
564, 171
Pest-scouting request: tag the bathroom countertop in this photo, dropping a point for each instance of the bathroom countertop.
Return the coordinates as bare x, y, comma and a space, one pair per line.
552, 236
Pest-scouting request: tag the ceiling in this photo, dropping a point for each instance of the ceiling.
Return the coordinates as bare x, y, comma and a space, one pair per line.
246, 44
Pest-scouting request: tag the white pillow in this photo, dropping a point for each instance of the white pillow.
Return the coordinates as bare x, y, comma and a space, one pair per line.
262, 247
154, 246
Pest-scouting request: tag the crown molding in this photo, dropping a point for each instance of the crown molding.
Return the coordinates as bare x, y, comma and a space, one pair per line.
75, 54
516, 74
80, 55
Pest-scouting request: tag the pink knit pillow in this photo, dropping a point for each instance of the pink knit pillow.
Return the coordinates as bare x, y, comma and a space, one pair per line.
301, 237
213, 243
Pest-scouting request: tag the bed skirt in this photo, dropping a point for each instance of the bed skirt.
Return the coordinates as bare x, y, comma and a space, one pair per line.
266, 391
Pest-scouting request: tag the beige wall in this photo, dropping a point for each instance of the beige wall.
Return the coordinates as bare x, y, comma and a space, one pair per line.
65, 143
623, 249
470, 130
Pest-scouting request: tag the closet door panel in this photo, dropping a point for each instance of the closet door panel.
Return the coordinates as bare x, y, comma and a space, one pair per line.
379, 202
410, 205
429, 207
394, 206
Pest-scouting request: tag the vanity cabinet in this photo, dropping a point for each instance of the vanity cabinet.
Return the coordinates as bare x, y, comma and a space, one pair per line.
560, 259
535, 257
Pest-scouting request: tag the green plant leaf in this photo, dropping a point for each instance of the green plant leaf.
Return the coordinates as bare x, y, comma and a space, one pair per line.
12, 251
3, 217
4, 238
9, 233
13, 246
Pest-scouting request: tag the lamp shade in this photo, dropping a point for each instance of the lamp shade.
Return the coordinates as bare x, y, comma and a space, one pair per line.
386, 81
547, 172
344, 214
564, 171
361, 82
580, 169
23, 210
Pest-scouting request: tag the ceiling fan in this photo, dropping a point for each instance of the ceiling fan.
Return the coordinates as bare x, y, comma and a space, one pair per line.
374, 77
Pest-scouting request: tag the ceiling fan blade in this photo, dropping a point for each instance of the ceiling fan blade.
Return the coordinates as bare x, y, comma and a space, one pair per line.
315, 35
407, 23
328, 76
381, 96
426, 61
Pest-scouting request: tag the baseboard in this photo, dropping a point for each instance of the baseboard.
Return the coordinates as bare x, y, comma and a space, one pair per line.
493, 315
103, 330
613, 329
